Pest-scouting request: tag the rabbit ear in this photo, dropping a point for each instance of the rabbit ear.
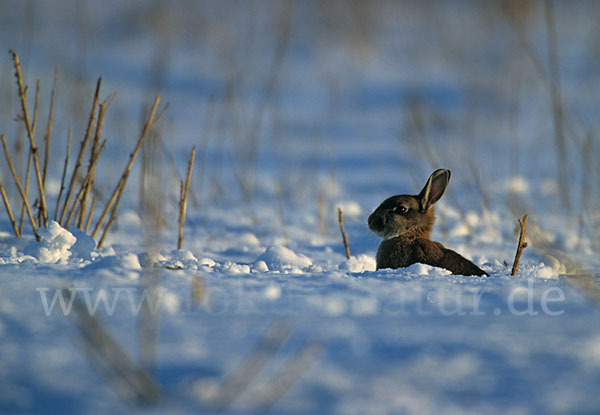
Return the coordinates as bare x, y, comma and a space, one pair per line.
434, 188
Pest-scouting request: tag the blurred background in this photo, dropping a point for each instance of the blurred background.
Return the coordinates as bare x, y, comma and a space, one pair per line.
302, 105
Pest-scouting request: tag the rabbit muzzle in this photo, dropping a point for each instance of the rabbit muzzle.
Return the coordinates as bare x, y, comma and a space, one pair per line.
379, 223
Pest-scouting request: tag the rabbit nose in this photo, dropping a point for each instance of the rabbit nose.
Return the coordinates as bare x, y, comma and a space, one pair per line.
376, 223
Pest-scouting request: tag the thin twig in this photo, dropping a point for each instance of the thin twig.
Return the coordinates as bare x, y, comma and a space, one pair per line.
27, 176
582, 277
86, 182
21, 190
9, 211
289, 373
117, 193
557, 106
36, 106
30, 156
92, 164
183, 197
64, 175
341, 220
128, 378
49, 128
199, 292
30, 134
91, 212
249, 369
522, 245
84, 142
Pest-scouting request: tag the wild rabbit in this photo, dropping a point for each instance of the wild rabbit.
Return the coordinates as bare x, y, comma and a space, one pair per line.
405, 222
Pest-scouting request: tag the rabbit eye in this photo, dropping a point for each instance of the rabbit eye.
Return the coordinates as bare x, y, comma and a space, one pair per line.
400, 209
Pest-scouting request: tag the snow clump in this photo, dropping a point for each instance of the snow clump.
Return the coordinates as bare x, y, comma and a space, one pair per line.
57, 245
359, 264
283, 259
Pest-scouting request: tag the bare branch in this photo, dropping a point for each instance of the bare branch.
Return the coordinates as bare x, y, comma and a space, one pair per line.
522, 245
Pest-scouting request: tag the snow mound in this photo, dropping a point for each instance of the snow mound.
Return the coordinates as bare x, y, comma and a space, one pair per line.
207, 262
283, 259
545, 272
122, 265
234, 268
260, 266
84, 245
424, 269
58, 245
248, 239
359, 264
176, 259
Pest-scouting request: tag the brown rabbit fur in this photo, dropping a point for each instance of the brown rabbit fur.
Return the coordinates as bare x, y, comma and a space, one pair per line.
405, 223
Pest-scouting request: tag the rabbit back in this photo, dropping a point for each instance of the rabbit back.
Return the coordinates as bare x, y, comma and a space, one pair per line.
399, 253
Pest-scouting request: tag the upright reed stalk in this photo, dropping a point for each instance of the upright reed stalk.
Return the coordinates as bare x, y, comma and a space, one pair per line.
64, 176
183, 195
92, 165
9, 211
49, 128
84, 142
20, 187
30, 134
118, 192
30, 156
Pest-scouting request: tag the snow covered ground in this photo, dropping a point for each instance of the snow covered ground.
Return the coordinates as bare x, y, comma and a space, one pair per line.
296, 109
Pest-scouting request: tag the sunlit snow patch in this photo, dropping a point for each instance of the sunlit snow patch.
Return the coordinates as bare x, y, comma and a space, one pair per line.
424, 269
545, 272
122, 265
84, 245
58, 245
359, 264
175, 259
260, 266
281, 258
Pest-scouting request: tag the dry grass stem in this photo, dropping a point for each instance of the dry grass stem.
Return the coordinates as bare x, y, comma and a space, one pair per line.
86, 182
341, 220
9, 211
321, 209
30, 134
30, 156
148, 318
557, 106
92, 164
568, 266
250, 368
129, 379
522, 245
27, 177
49, 128
280, 196
118, 192
64, 176
288, 375
91, 212
199, 291
36, 106
183, 195
20, 187
84, 142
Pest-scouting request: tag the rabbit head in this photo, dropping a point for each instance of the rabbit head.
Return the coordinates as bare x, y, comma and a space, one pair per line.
410, 216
